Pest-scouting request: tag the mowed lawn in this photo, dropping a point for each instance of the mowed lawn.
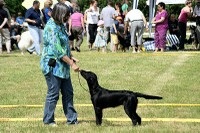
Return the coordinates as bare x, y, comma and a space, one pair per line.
173, 75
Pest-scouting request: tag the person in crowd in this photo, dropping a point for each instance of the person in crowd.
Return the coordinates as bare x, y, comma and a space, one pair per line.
20, 19
76, 24
119, 11
4, 28
13, 20
125, 7
100, 41
47, 10
70, 5
173, 26
55, 63
114, 32
161, 27
15, 36
196, 14
182, 20
92, 15
107, 16
86, 24
33, 17
137, 22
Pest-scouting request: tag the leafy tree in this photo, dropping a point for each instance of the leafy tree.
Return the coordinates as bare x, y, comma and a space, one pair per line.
15, 6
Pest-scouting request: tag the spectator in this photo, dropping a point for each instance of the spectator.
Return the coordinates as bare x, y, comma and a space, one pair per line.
173, 26
161, 27
13, 20
107, 15
20, 19
114, 32
4, 31
119, 11
125, 7
100, 41
185, 13
137, 22
47, 10
34, 26
92, 20
70, 6
197, 16
76, 24
86, 24
55, 64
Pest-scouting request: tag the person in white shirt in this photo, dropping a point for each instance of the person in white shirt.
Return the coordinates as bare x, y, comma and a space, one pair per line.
92, 18
137, 22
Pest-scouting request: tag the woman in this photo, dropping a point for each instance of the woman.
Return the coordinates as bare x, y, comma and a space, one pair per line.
47, 10
92, 15
161, 27
119, 11
182, 22
76, 25
55, 64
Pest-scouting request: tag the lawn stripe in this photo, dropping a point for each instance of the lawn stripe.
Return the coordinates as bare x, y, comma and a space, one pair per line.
90, 105
107, 119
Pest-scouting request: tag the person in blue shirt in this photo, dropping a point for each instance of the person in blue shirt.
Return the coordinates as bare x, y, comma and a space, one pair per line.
55, 63
32, 16
47, 10
114, 31
20, 19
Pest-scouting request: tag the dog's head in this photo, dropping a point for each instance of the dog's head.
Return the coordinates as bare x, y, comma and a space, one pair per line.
91, 78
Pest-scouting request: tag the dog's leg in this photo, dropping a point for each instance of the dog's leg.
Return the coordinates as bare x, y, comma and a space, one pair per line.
99, 114
130, 109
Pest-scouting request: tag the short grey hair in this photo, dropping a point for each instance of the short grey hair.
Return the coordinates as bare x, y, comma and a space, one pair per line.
59, 12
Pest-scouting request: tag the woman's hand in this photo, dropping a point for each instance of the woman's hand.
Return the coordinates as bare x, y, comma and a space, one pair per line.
75, 67
74, 59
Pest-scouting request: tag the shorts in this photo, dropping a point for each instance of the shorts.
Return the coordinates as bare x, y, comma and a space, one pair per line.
114, 39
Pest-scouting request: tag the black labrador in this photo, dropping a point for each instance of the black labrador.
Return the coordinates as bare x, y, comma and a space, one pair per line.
104, 98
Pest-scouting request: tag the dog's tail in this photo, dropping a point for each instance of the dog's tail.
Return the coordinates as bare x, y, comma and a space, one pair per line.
147, 96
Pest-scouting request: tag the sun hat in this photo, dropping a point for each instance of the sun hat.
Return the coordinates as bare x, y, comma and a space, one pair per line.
101, 22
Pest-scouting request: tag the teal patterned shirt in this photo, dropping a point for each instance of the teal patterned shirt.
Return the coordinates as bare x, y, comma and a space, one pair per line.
56, 45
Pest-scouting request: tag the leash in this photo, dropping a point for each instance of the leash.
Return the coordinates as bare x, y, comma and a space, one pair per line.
81, 84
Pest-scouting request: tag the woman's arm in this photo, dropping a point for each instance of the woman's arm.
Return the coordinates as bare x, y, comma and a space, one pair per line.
85, 17
70, 25
82, 23
69, 61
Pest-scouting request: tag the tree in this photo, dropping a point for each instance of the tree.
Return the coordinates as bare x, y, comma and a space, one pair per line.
15, 6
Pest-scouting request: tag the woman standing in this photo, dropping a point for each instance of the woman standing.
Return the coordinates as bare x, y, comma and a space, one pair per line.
76, 25
92, 15
55, 64
161, 22
182, 22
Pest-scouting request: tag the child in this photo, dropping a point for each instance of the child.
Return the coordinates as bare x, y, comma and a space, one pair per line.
100, 40
114, 32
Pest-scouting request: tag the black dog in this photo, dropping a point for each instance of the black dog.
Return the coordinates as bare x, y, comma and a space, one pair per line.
193, 37
104, 98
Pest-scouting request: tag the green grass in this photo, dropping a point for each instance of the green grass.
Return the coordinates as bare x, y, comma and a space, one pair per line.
173, 75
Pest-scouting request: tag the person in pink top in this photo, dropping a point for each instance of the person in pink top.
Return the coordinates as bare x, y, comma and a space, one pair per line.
161, 27
76, 25
182, 20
